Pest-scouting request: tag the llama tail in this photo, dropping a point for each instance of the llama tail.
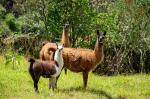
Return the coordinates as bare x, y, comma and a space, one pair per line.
31, 71
31, 60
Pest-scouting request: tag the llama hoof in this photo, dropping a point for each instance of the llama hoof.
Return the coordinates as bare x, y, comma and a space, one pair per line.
85, 87
55, 86
50, 86
37, 91
53, 89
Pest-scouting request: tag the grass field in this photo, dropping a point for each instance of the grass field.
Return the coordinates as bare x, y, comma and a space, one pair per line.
17, 84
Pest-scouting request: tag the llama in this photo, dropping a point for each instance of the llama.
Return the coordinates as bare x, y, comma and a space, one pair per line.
65, 38
47, 69
84, 60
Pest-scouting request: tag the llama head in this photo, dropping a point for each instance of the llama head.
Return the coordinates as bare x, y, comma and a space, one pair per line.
58, 55
59, 49
66, 24
100, 36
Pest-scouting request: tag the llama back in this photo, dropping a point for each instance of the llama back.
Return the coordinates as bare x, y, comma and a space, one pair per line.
47, 50
79, 60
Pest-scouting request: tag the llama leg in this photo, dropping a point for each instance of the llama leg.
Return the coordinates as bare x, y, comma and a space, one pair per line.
53, 83
36, 84
50, 83
65, 69
51, 80
85, 78
57, 80
34, 81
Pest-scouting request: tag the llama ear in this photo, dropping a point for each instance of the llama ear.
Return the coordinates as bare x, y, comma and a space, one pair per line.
97, 32
104, 33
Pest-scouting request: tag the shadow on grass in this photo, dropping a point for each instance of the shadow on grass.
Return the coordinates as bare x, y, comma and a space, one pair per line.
90, 90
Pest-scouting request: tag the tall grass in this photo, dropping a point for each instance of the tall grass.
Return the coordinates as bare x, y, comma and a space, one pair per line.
17, 83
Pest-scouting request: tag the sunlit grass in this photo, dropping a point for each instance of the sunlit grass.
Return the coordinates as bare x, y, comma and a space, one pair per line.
17, 83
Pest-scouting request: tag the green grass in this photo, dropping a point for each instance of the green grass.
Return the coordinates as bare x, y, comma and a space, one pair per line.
17, 83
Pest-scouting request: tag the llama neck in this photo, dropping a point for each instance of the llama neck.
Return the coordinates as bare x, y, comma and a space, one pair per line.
99, 53
59, 59
65, 33
65, 37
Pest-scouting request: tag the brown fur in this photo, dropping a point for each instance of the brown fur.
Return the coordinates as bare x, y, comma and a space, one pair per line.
44, 68
80, 60
83, 60
65, 38
47, 51
49, 48
39, 68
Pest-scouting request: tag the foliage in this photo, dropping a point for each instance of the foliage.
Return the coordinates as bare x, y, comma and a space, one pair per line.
11, 58
127, 23
128, 36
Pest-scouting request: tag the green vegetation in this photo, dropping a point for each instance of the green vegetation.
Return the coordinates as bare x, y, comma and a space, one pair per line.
25, 24
17, 83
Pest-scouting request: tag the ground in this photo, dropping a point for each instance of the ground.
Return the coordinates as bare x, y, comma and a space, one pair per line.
15, 82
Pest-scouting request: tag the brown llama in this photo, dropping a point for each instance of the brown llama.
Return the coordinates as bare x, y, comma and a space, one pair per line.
65, 38
84, 60
47, 69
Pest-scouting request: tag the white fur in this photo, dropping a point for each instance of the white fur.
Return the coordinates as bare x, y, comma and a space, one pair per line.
59, 59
